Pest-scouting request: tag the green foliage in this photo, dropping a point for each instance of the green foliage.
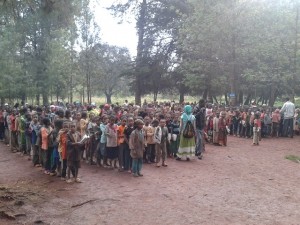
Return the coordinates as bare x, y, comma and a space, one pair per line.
242, 47
209, 48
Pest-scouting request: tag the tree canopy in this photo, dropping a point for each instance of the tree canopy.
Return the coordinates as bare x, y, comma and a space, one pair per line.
243, 50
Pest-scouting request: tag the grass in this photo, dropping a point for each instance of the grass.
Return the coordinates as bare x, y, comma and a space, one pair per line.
293, 158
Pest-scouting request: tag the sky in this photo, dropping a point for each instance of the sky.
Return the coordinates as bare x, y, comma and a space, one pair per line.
123, 35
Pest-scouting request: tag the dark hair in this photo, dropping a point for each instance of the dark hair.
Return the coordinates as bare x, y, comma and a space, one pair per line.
89, 108
58, 124
161, 117
23, 111
46, 121
28, 116
155, 122
68, 113
84, 115
60, 113
202, 102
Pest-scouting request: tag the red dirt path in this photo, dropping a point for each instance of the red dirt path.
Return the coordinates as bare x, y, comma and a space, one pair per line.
238, 184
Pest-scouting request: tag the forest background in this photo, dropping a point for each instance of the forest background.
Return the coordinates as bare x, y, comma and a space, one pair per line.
235, 51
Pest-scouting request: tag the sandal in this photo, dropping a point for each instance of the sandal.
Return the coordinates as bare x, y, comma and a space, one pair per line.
164, 165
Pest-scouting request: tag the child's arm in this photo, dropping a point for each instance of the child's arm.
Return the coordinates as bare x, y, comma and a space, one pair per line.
131, 144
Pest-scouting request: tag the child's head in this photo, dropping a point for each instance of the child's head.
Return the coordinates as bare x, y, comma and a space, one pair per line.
123, 122
257, 115
97, 120
58, 124
162, 123
139, 124
176, 118
223, 114
68, 114
147, 120
155, 123
130, 122
66, 125
73, 128
112, 120
28, 116
78, 116
84, 115
46, 121
35, 118
105, 119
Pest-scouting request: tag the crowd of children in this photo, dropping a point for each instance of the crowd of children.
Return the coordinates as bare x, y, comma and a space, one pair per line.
123, 137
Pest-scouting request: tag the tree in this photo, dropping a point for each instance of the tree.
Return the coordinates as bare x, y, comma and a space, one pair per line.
111, 62
157, 25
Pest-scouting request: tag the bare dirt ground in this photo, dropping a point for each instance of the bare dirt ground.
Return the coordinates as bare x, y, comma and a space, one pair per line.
238, 184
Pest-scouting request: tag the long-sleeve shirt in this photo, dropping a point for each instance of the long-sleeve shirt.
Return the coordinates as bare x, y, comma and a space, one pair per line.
288, 110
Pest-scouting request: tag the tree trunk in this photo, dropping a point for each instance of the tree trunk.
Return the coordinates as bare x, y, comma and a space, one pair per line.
2, 101
108, 98
204, 96
37, 99
209, 94
57, 95
226, 99
296, 41
241, 97
45, 98
83, 97
234, 76
71, 89
155, 96
272, 96
181, 96
141, 24
215, 98
248, 99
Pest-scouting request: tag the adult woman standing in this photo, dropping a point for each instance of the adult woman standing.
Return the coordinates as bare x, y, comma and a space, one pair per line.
187, 144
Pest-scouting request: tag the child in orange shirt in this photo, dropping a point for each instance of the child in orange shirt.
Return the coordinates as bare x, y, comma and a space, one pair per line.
62, 149
121, 144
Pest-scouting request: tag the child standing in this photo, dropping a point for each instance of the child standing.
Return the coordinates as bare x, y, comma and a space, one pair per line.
121, 144
275, 122
102, 154
111, 131
222, 137
46, 138
137, 147
62, 149
149, 154
256, 129
175, 131
73, 153
127, 132
35, 127
161, 138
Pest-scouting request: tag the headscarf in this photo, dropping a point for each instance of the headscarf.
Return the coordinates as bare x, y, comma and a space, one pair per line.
188, 109
187, 115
